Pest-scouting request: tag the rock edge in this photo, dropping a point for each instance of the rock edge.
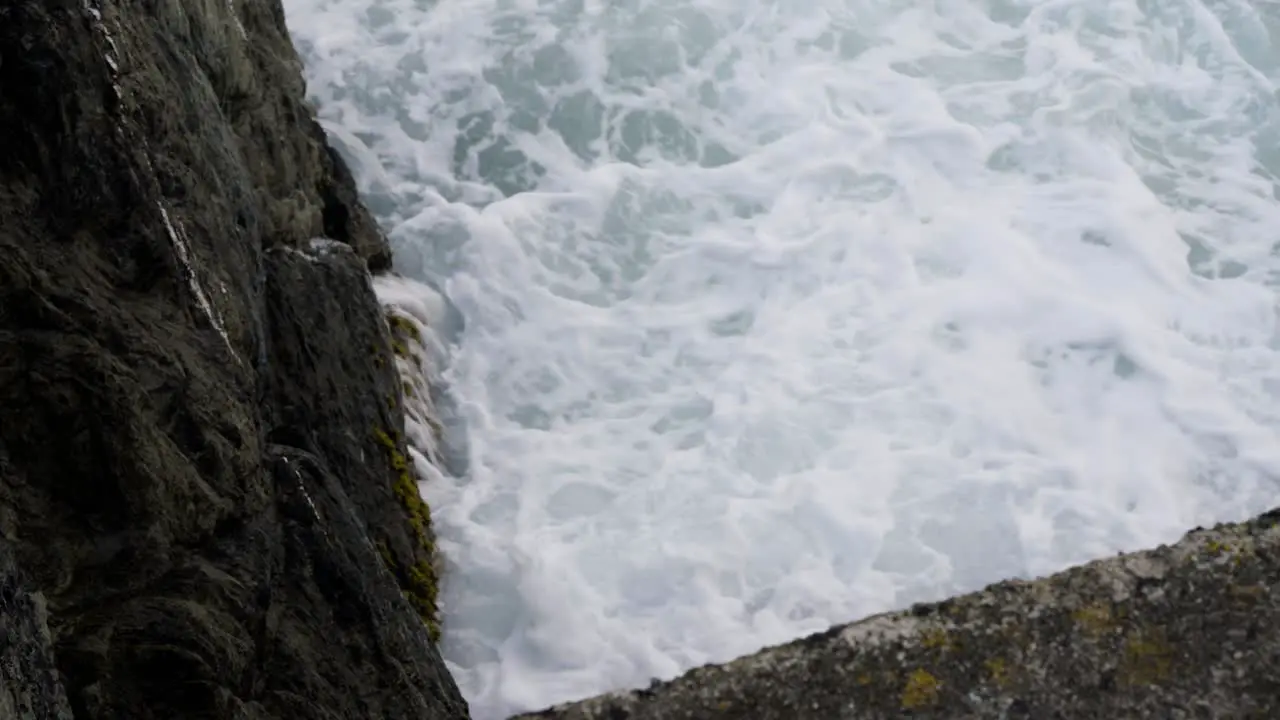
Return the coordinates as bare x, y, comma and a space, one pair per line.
1189, 630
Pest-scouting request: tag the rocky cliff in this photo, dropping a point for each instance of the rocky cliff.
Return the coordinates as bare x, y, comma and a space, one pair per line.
1190, 630
202, 456
208, 508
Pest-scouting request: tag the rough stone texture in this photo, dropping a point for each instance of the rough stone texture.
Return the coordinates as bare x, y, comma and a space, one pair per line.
29, 684
194, 500
1184, 631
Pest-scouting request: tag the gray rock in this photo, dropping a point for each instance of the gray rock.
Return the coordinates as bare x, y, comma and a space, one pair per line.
1190, 630
29, 683
201, 451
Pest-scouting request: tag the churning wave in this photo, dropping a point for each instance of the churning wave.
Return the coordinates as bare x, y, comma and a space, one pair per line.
771, 315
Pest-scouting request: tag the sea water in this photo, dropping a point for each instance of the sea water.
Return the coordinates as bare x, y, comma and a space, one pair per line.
768, 315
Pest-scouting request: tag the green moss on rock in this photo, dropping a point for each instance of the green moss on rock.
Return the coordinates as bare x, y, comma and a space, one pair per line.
418, 580
1147, 658
403, 326
920, 691
404, 332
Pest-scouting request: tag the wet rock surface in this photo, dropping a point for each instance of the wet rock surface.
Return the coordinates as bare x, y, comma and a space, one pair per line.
31, 687
1190, 630
198, 514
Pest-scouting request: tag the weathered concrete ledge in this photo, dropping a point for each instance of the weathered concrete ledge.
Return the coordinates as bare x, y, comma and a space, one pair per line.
1190, 630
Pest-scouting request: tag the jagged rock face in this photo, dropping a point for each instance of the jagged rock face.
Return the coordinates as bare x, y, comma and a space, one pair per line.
195, 509
31, 688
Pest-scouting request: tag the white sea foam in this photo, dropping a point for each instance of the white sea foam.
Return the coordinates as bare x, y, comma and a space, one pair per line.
779, 314
419, 356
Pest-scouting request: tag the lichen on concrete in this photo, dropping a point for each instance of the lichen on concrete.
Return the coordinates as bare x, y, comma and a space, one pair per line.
1186, 630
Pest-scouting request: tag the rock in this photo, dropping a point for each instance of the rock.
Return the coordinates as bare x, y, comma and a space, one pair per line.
199, 421
29, 685
359, 382
1184, 631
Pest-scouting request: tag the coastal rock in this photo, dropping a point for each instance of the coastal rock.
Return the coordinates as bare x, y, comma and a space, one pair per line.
199, 418
1190, 630
31, 688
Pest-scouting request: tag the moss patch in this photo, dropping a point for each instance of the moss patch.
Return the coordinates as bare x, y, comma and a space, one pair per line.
998, 671
921, 690
1216, 547
936, 639
1147, 659
418, 579
403, 332
402, 325
387, 558
1095, 619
